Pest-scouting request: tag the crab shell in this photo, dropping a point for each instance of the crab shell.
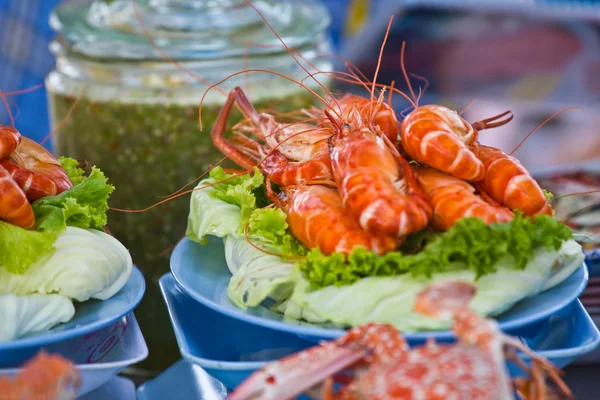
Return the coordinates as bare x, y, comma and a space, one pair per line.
432, 372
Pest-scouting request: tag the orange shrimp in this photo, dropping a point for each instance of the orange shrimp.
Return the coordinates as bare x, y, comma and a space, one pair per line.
318, 220
437, 136
370, 184
36, 171
295, 153
45, 377
14, 207
453, 199
510, 184
9, 140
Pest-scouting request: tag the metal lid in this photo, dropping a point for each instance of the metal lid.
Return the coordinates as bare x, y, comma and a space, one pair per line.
186, 29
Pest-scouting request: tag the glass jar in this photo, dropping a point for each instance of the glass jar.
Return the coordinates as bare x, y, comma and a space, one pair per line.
121, 105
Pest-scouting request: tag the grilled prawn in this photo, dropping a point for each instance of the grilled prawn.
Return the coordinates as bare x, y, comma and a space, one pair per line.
27, 172
376, 186
437, 136
37, 172
453, 199
510, 184
385, 368
14, 207
9, 140
317, 219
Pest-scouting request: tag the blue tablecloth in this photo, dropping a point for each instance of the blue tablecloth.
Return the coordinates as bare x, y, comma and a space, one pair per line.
24, 62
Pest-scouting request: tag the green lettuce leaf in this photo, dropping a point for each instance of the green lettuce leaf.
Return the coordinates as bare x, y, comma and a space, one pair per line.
390, 299
222, 208
20, 248
235, 206
470, 244
256, 275
71, 167
269, 225
237, 190
83, 206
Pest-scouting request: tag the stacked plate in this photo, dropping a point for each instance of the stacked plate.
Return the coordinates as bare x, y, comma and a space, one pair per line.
228, 343
102, 339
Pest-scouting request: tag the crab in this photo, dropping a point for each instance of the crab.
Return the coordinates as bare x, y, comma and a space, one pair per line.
375, 362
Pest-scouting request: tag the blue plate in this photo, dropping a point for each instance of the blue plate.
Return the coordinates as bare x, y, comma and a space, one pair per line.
184, 381
202, 272
227, 348
222, 349
116, 389
100, 355
90, 316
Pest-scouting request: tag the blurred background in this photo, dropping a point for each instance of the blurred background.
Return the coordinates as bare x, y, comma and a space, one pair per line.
534, 58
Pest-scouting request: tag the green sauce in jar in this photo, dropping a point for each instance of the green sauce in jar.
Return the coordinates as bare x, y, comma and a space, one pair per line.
137, 119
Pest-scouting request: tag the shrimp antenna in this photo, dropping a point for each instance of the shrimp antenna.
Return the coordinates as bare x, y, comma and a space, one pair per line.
8, 110
264, 71
390, 93
387, 32
412, 92
26, 90
542, 124
66, 118
292, 53
465, 108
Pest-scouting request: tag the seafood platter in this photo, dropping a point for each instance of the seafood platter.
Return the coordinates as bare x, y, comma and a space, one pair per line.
394, 244
67, 288
358, 250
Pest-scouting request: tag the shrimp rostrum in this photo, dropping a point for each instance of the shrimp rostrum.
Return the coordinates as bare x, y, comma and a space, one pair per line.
375, 362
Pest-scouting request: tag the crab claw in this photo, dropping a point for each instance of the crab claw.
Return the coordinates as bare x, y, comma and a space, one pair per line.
295, 374
444, 299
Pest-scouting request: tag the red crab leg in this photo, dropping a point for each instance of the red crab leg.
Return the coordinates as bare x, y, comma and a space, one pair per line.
297, 373
293, 375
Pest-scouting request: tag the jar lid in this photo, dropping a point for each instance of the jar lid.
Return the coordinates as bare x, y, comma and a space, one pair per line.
186, 29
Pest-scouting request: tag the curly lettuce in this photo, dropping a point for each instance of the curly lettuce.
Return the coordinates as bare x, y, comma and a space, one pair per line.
83, 206
233, 205
74, 172
391, 299
269, 225
470, 245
